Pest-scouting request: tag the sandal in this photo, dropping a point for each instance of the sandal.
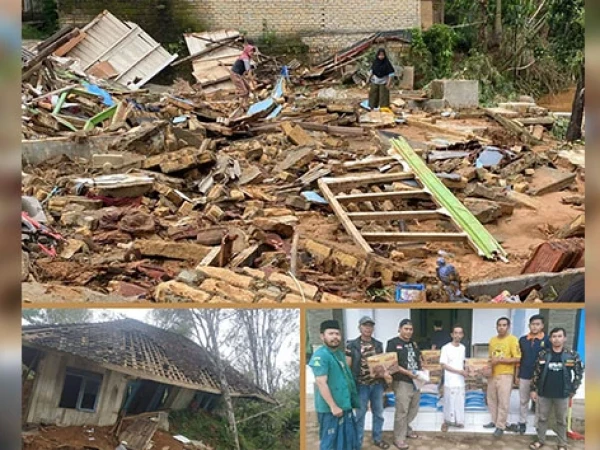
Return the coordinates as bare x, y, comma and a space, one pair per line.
444, 427
536, 445
412, 435
382, 444
401, 445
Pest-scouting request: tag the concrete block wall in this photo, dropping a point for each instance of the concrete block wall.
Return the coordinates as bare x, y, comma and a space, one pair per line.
317, 20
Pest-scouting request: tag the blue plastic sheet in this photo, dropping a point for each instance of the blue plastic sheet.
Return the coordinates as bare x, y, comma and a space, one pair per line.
313, 197
97, 90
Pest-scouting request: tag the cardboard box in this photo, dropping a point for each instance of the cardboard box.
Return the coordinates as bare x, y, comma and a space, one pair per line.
378, 363
478, 367
431, 356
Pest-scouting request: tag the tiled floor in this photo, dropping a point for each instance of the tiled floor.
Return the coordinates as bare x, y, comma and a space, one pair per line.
429, 419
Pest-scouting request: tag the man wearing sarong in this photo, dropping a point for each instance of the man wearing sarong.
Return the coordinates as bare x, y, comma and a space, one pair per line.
336, 395
452, 360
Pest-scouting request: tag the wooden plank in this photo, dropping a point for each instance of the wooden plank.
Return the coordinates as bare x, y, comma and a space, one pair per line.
414, 236
139, 433
396, 215
374, 196
344, 219
369, 162
367, 178
523, 121
514, 128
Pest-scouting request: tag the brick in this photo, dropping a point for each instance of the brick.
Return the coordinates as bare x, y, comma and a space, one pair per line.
272, 292
115, 160
346, 260
79, 219
215, 213
296, 134
186, 209
227, 276
58, 204
227, 290
219, 299
254, 273
292, 298
175, 291
171, 250
318, 251
283, 226
309, 290
330, 298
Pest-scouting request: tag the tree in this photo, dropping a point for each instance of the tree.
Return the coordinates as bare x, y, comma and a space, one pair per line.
260, 336
207, 323
567, 39
205, 326
497, 41
57, 316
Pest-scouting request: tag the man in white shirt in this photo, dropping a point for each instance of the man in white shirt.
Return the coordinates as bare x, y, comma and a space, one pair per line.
452, 361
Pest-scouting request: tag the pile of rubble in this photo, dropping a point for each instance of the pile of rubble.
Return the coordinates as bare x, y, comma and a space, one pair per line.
181, 195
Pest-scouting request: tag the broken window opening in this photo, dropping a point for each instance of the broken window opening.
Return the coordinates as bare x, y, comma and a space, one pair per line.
80, 390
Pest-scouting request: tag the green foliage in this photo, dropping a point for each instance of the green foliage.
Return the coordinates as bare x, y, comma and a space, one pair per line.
567, 32
277, 429
271, 43
440, 40
420, 58
203, 426
57, 316
50, 14
493, 86
31, 32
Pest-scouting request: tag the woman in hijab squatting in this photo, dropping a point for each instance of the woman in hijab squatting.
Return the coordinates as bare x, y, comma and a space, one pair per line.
382, 73
241, 73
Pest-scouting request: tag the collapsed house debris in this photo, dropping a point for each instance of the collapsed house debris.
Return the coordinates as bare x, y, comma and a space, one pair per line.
124, 374
170, 196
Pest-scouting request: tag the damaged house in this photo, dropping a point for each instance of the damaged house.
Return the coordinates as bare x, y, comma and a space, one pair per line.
93, 374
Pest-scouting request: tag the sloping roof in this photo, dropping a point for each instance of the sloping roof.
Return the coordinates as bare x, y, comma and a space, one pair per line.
136, 348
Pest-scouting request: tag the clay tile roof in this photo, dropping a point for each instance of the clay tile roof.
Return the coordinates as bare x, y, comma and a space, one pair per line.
134, 346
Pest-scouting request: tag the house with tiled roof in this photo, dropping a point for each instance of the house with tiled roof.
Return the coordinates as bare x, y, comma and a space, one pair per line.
93, 373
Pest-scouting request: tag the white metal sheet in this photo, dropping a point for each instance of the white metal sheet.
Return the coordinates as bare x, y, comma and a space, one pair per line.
216, 64
134, 54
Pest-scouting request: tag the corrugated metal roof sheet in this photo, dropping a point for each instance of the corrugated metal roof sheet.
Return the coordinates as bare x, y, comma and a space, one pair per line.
129, 50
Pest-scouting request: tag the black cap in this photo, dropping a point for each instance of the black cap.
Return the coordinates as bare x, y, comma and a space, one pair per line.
404, 322
330, 325
366, 319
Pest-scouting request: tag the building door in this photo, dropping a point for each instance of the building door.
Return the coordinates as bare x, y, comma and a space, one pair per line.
424, 319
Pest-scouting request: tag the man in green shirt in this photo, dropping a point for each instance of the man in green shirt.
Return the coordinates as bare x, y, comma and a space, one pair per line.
336, 394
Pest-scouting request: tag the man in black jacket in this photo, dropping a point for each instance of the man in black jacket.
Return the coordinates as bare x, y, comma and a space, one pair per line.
370, 390
556, 377
406, 394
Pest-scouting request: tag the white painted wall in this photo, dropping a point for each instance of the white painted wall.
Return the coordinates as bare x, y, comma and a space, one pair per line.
386, 322
484, 322
47, 390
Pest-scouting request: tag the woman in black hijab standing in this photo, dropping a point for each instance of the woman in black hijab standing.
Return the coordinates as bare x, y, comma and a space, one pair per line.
382, 73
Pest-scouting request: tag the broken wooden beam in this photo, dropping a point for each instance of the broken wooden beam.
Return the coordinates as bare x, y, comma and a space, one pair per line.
396, 215
345, 220
372, 196
514, 128
413, 236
